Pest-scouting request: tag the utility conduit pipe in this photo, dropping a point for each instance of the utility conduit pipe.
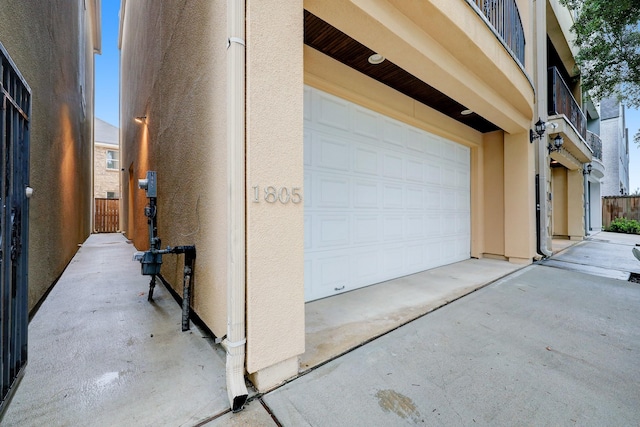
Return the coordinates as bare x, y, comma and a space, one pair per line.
235, 342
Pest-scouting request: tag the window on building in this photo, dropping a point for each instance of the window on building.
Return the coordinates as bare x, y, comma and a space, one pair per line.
112, 160
111, 195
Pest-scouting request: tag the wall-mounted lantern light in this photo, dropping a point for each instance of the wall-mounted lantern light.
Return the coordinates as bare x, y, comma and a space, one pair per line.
557, 144
140, 119
587, 170
539, 131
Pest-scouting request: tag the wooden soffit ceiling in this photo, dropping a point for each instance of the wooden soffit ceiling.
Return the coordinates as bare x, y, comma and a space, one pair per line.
332, 42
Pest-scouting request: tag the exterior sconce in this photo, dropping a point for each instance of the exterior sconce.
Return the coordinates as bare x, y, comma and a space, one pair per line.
540, 129
140, 119
557, 144
587, 170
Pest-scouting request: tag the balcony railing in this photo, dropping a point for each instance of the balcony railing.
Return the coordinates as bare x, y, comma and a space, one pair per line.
595, 143
504, 16
561, 101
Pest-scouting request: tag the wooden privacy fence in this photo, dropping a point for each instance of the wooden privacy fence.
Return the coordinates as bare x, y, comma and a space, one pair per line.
620, 207
107, 215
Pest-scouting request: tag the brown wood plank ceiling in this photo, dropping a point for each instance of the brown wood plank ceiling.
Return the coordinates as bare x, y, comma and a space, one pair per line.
334, 43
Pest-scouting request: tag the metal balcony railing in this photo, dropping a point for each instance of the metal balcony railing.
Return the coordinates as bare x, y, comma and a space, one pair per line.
595, 143
561, 101
504, 16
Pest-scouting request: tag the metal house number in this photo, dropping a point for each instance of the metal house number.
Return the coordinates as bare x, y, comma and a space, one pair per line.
273, 194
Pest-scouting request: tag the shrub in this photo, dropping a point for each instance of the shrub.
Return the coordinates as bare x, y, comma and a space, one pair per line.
624, 225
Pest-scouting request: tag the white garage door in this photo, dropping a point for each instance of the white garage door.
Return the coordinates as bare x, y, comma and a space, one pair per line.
382, 199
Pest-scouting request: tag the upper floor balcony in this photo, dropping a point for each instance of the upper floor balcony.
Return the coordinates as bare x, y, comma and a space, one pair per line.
504, 17
571, 122
561, 101
595, 143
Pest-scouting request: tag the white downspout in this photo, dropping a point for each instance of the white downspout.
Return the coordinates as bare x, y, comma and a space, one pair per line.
235, 342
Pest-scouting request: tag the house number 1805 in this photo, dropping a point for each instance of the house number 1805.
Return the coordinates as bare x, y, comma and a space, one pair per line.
273, 194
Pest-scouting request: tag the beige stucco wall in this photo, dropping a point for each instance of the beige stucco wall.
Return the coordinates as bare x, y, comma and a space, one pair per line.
275, 234
493, 191
559, 202
47, 42
173, 71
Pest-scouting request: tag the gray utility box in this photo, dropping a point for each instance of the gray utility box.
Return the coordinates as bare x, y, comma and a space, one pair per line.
151, 262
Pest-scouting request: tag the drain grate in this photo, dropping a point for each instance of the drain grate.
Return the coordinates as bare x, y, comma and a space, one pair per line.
634, 277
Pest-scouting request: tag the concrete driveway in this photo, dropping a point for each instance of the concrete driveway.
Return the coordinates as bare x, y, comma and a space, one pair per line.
542, 346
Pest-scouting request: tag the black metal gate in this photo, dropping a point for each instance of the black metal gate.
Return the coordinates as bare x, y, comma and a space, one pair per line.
14, 225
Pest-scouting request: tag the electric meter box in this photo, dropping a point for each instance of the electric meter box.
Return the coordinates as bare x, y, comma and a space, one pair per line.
150, 184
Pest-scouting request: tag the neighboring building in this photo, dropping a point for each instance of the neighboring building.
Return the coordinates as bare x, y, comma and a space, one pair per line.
106, 163
47, 87
374, 140
615, 147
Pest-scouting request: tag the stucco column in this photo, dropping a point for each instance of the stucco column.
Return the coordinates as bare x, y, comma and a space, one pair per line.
477, 202
519, 198
575, 204
275, 194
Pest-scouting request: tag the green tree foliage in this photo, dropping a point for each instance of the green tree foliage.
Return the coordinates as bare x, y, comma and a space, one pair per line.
608, 41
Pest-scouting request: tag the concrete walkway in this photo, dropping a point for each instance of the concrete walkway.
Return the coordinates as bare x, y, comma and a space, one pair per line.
101, 355
545, 345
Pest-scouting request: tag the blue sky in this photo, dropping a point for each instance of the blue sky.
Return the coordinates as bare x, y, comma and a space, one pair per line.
107, 65
107, 88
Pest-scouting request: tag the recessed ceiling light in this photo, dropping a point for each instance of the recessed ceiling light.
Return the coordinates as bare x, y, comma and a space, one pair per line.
376, 59
466, 112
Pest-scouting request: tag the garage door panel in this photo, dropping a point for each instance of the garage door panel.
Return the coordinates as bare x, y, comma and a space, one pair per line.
448, 174
382, 199
415, 226
308, 157
392, 262
392, 228
433, 146
308, 190
308, 105
333, 230
366, 267
366, 194
366, 229
432, 173
449, 150
366, 160
308, 232
331, 191
392, 196
462, 179
432, 198
416, 140
392, 133
415, 197
433, 227
415, 170
366, 124
414, 257
393, 166
332, 112
333, 273
333, 153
